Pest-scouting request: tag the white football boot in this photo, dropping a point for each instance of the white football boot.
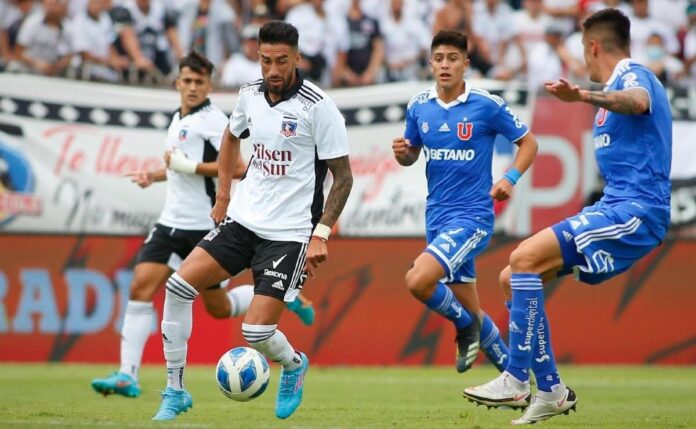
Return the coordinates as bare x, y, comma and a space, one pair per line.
541, 409
503, 391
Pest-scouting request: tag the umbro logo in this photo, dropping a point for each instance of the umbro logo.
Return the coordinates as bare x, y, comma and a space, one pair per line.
278, 285
444, 128
278, 261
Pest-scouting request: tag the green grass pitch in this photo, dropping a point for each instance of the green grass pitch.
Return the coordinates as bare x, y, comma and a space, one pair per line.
60, 396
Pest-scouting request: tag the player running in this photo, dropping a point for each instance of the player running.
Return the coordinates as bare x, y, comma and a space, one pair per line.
455, 125
633, 147
274, 223
193, 141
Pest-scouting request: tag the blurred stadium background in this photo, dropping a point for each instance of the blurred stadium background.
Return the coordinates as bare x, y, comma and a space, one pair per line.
85, 97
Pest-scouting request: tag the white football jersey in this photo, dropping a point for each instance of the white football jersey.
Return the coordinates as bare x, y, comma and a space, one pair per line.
190, 197
281, 194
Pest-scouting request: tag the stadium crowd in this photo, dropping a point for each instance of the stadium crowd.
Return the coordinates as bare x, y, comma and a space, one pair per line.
343, 42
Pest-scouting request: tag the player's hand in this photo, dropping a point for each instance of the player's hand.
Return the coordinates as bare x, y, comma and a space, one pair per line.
317, 252
563, 90
142, 178
401, 147
219, 211
502, 190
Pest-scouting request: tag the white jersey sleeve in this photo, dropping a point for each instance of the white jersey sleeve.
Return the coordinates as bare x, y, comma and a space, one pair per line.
214, 128
238, 119
329, 130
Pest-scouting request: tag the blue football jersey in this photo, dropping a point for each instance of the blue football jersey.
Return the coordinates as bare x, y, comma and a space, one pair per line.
457, 140
634, 152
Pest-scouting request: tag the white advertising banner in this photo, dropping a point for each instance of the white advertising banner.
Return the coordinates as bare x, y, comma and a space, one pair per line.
66, 146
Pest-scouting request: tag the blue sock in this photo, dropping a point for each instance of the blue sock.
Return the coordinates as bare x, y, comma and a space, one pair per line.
493, 346
544, 363
527, 302
445, 303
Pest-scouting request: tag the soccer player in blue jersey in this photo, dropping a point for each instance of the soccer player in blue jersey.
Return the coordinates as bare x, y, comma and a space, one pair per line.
633, 147
455, 125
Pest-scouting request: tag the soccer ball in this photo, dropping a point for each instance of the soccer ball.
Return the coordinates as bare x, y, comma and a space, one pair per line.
242, 374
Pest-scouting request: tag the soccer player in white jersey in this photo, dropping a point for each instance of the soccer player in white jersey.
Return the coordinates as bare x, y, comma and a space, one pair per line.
274, 223
455, 126
193, 142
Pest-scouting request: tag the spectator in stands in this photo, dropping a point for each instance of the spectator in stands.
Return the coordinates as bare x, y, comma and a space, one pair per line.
689, 72
574, 50
598, 5
93, 36
12, 15
361, 62
207, 26
669, 13
243, 67
406, 41
457, 15
44, 42
563, 12
545, 63
316, 36
666, 67
531, 23
146, 32
643, 26
494, 25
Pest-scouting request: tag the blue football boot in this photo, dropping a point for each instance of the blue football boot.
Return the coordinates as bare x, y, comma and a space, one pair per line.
290, 389
174, 402
118, 383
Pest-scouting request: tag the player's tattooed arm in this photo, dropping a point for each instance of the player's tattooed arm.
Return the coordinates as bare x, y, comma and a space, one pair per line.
633, 101
340, 189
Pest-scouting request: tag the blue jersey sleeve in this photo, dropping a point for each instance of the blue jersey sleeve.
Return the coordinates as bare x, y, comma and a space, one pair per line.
412, 133
506, 123
638, 77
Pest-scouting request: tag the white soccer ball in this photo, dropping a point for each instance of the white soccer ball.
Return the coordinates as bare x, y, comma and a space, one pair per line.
242, 374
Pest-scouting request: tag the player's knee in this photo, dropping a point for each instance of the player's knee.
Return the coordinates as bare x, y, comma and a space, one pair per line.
504, 281
523, 260
417, 283
139, 291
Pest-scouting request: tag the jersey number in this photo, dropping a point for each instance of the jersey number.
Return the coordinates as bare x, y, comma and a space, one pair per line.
465, 131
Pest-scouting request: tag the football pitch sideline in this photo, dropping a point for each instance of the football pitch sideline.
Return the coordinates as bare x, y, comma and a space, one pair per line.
60, 396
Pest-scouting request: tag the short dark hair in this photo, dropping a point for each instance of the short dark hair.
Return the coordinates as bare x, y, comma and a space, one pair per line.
450, 38
197, 62
279, 32
614, 26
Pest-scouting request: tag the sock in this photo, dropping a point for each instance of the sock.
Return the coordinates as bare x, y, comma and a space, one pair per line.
493, 346
137, 323
272, 343
177, 321
527, 302
445, 303
240, 297
544, 362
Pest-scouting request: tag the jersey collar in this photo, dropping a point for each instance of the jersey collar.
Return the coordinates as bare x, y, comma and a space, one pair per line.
288, 95
619, 68
461, 99
195, 109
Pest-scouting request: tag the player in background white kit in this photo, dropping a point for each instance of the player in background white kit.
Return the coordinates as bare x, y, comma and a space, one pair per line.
193, 141
276, 223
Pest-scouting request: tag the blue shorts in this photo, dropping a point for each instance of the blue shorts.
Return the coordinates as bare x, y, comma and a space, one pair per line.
603, 241
455, 248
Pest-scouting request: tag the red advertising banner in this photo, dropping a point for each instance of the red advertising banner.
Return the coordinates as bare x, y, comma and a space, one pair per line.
61, 299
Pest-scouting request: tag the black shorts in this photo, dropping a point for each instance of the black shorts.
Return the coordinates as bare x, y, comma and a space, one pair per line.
277, 266
169, 246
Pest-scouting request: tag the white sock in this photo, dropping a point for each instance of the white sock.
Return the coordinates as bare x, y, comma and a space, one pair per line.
134, 334
177, 322
556, 393
272, 343
240, 297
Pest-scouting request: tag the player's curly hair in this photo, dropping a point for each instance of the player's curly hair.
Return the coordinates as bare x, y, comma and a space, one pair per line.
279, 32
450, 38
197, 62
612, 27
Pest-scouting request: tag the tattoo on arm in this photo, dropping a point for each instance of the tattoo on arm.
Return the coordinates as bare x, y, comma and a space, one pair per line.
633, 101
340, 189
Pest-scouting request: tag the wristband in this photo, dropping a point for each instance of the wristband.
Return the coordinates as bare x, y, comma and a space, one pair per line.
513, 175
178, 162
322, 231
316, 237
